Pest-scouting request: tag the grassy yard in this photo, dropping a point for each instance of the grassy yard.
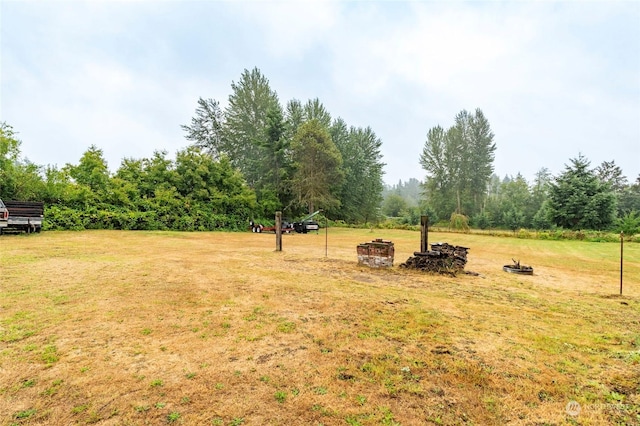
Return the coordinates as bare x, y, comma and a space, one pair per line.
136, 328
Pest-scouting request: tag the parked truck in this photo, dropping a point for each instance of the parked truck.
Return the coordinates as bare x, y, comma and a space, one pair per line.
4, 216
23, 215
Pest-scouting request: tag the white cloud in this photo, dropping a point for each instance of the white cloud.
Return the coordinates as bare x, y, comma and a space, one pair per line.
543, 90
554, 79
290, 28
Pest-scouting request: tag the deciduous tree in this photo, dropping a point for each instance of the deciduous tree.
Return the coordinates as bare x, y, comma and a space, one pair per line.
206, 127
611, 173
315, 110
9, 156
92, 171
245, 123
629, 199
317, 163
459, 164
394, 205
361, 193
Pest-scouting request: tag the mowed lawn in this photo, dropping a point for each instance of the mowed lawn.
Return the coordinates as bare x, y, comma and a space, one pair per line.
137, 328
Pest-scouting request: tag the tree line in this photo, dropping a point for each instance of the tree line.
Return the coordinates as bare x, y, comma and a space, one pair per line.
257, 156
192, 192
244, 162
461, 183
296, 158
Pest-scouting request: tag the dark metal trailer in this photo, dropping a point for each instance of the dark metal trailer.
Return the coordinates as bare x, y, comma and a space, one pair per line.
302, 227
287, 227
24, 215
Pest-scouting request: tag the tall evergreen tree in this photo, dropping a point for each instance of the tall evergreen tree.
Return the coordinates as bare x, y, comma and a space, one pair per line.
578, 199
276, 165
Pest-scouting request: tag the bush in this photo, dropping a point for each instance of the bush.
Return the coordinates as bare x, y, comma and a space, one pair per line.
541, 219
629, 224
525, 234
59, 218
459, 222
481, 220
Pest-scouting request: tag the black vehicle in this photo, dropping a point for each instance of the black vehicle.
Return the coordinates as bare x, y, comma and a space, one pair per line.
301, 227
306, 224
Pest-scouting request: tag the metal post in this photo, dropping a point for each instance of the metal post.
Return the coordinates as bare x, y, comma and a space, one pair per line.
326, 237
621, 257
278, 231
424, 234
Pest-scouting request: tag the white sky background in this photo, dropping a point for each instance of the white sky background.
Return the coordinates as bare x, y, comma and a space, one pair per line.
554, 79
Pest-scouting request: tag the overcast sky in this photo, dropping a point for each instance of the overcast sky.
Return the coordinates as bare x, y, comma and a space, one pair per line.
554, 79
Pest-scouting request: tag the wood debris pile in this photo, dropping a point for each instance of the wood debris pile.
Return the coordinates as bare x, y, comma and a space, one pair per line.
443, 258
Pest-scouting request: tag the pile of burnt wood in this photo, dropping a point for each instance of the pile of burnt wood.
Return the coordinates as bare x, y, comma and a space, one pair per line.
443, 258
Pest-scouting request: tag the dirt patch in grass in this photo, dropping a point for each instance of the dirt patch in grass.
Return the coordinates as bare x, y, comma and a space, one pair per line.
218, 328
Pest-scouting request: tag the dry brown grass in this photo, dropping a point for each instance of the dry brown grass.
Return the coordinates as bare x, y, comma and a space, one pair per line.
134, 328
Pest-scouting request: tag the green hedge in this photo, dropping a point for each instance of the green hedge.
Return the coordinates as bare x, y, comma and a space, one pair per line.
197, 219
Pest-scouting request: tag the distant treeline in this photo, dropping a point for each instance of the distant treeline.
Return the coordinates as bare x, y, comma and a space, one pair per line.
256, 157
580, 198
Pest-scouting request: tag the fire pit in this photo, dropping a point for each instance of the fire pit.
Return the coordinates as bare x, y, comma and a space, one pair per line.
516, 268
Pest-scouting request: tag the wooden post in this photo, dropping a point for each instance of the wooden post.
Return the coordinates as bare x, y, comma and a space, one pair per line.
621, 256
278, 231
424, 234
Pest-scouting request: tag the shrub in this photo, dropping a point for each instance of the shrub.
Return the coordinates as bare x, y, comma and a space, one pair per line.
481, 220
629, 224
459, 222
59, 217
